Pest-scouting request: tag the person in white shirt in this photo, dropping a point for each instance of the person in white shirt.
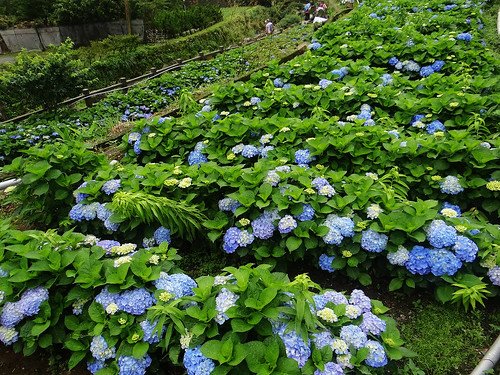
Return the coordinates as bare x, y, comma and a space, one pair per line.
269, 27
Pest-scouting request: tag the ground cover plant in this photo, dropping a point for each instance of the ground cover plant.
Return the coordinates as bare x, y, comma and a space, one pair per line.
372, 156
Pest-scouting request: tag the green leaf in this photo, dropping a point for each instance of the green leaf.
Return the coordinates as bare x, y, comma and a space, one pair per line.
140, 349
293, 243
239, 325
76, 358
395, 284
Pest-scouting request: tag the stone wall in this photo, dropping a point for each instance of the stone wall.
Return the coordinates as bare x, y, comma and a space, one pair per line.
40, 38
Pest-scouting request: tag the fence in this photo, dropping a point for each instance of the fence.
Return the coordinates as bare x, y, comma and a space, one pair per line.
40, 38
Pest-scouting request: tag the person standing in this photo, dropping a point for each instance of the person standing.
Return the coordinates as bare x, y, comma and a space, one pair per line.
269, 27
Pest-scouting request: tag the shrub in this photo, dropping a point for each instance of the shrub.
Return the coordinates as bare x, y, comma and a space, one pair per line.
36, 80
290, 19
71, 12
49, 176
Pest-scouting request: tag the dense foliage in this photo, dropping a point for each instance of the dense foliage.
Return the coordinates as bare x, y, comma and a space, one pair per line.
173, 22
373, 155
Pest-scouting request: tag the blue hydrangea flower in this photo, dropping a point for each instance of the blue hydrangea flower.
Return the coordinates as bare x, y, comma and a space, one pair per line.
196, 363
353, 335
325, 262
263, 227
296, 348
196, 158
107, 245
386, 79
129, 365
134, 137
322, 339
150, 332
437, 65
100, 349
314, 46
278, 82
467, 37
364, 115
178, 284
453, 207
393, 61
441, 235
111, 226
465, 249
255, 100
372, 324
105, 298
451, 185
399, 257
324, 83
12, 314
494, 275
306, 214
333, 237
137, 147
76, 213
250, 151
228, 204
303, 157
135, 301
161, 235
376, 355
31, 300
435, 126
95, 366
223, 302
287, 224
419, 261
265, 150
231, 240
3, 273
80, 196
344, 225
334, 297
373, 242
359, 299
331, 368
111, 186
426, 71
103, 213
416, 118
444, 262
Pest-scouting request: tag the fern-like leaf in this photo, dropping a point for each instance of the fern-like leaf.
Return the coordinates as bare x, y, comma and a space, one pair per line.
177, 215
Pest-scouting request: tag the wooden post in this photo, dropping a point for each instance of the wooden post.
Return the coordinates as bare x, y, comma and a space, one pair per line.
201, 55
88, 100
178, 61
153, 71
123, 84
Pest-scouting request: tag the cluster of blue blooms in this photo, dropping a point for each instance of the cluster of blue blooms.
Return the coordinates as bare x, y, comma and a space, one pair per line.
132, 301
161, 235
91, 211
448, 253
228, 204
431, 128
28, 305
340, 73
338, 229
250, 151
303, 157
295, 346
223, 302
314, 46
196, 363
234, 238
451, 185
128, 365
196, 157
150, 332
467, 37
323, 187
364, 114
325, 262
263, 227
373, 242
412, 67
178, 284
